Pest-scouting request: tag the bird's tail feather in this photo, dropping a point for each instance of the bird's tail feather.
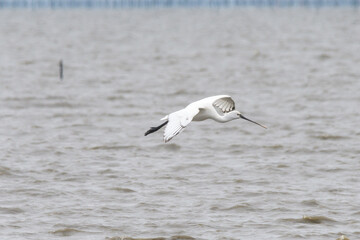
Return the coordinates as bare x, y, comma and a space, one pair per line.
165, 118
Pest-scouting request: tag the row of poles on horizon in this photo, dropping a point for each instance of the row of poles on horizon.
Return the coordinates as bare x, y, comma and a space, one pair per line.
172, 3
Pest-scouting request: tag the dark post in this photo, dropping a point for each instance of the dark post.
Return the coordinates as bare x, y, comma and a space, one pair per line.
61, 69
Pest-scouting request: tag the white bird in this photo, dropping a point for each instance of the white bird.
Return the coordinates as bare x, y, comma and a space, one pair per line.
220, 108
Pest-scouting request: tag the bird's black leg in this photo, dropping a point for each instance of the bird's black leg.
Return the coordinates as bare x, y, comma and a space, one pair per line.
154, 129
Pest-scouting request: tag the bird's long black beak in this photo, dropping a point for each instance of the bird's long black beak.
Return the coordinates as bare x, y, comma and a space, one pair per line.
241, 116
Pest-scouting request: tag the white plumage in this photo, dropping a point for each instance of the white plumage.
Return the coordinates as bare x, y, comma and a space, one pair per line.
220, 108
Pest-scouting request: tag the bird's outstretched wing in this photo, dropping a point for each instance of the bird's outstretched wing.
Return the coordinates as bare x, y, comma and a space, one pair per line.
225, 104
178, 121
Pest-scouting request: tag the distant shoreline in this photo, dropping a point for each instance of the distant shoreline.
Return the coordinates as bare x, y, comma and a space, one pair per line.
113, 4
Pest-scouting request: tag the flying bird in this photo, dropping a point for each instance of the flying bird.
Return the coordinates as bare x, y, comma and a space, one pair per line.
220, 108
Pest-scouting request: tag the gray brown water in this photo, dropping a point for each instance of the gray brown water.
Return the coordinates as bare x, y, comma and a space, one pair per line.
74, 163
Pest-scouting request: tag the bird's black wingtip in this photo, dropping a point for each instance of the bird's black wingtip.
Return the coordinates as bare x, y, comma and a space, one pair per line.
154, 129
151, 130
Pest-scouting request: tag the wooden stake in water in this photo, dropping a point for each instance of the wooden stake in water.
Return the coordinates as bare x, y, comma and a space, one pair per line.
61, 69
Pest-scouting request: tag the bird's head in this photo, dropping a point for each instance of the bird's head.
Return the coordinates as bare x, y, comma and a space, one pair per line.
236, 115
233, 115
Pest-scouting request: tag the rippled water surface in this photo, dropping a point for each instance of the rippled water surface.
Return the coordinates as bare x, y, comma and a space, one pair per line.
74, 161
